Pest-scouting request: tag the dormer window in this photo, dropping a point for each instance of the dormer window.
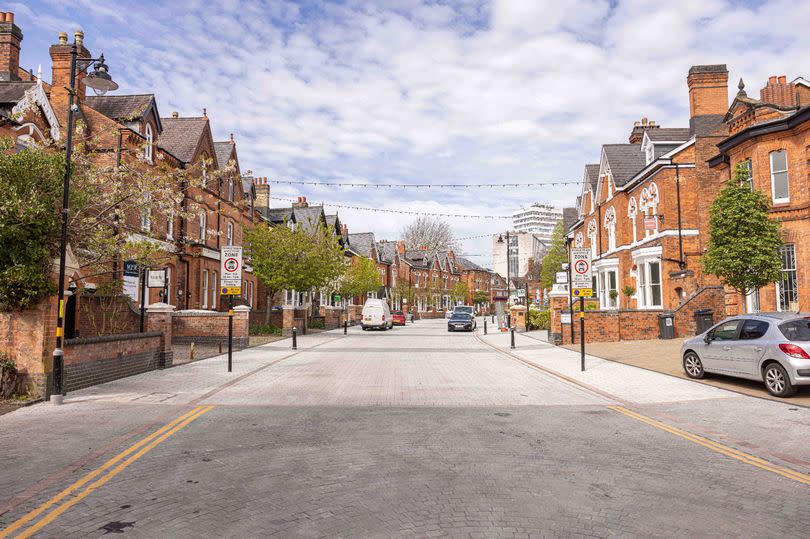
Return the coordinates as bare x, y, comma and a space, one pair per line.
147, 152
650, 153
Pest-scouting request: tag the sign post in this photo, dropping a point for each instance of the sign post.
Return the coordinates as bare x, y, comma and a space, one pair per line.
230, 284
581, 282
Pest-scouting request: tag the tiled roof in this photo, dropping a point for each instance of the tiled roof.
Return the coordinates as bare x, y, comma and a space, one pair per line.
277, 215
419, 258
467, 264
592, 173
121, 107
308, 217
362, 243
707, 124
223, 152
331, 220
387, 251
13, 92
669, 134
247, 185
181, 136
625, 160
570, 216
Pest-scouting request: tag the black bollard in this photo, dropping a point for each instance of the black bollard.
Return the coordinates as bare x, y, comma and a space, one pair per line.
295, 339
513, 339
493, 318
485, 326
345, 326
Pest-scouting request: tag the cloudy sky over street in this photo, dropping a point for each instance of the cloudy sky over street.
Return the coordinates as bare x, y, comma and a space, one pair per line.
410, 91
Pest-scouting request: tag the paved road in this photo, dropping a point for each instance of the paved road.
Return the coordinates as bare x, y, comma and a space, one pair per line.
407, 433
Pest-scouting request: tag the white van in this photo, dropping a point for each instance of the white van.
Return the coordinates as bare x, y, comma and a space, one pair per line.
376, 314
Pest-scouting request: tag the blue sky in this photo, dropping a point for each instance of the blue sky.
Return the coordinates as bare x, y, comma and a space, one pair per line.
417, 91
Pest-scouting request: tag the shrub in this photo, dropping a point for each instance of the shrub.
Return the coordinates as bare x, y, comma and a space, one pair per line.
539, 319
264, 329
628, 290
317, 323
9, 379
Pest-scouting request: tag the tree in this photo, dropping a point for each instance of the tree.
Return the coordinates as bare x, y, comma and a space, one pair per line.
429, 232
31, 187
361, 277
480, 297
534, 270
744, 241
287, 259
460, 291
555, 257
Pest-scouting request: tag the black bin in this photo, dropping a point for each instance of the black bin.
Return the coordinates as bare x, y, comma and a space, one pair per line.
704, 319
666, 326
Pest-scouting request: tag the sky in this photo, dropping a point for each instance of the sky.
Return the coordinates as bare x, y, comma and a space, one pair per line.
424, 91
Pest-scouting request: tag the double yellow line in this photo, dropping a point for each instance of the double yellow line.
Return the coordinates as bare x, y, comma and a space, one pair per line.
112, 467
717, 447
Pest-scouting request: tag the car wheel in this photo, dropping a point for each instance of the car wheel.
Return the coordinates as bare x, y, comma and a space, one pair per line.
693, 366
365, 328
777, 381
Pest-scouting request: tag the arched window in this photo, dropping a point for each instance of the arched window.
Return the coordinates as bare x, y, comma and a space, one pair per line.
230, 233
649, 207
579, 241
230, 189
147, 131
632, 212
592, 237
610, 224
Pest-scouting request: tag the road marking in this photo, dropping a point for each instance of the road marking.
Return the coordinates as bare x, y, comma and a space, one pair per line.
139, 449
717, 447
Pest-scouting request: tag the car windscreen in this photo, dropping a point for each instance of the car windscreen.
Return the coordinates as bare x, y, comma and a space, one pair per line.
461, 316
463, 309
796, 330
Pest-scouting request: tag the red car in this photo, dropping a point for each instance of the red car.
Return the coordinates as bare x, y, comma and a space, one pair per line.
398, 318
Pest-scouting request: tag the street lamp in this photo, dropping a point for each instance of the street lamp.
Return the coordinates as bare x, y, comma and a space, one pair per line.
508, 278
101, 82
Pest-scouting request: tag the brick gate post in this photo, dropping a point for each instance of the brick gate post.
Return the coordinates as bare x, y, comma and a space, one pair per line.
159, 318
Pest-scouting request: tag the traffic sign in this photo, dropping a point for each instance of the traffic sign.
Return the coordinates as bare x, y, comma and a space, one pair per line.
230, 281
562, 277
581, 272
582, 292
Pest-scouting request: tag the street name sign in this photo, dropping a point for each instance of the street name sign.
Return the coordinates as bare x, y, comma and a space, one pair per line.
230, 281
562, 277
156, 279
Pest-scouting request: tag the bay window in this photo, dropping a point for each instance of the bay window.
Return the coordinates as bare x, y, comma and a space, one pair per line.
608, 291
649, 294
204, 291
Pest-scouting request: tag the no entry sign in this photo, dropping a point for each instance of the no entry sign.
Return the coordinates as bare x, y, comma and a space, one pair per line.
230, 282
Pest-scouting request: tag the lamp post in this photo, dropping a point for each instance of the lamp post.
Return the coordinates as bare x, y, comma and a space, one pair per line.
508, 279
101, 82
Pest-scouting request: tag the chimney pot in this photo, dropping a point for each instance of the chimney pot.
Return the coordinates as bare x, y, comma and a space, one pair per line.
205, 113
644, 121
772, 79
9, 16
10, 38
63, 38
782, 79
78, 35
175, 114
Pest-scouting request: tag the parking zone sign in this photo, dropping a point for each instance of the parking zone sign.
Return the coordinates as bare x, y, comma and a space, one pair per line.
581, 272
230, 281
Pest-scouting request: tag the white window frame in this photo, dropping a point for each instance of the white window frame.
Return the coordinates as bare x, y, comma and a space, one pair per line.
643, 258
789, 247
147, 151
203, 222
230, 234
773, 178
214, 289
632, 213
610, 224
592, 238
752, 302
168, 297
170, 226
146, 213
205, 290
230, 189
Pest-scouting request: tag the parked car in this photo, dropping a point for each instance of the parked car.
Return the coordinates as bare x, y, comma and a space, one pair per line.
448, 314
464, 309
398, 318
461, 321
376, 314
773, 348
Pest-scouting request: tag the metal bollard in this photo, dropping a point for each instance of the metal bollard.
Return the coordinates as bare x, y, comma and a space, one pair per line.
513, 339
493, 318
295, 339
485, 326
345, 326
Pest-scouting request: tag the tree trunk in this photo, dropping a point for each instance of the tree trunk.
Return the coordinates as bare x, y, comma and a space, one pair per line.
268, 308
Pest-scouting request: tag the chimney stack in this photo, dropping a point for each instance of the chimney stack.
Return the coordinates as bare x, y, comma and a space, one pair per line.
778, 91
262, 192
301, 203
175, 114
60, 70
401, 248
637, 134
344, 229
10, 38
708, 90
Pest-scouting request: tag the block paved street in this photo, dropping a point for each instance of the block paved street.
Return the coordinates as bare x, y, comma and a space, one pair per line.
412, 432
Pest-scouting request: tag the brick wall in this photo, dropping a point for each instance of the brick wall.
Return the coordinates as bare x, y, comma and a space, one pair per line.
209, 327
28, 338
105, 315
709, 297
97, 360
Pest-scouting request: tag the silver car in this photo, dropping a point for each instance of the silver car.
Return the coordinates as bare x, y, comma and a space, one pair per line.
768, 347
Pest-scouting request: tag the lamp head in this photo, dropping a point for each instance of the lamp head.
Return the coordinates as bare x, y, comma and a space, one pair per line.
99, 80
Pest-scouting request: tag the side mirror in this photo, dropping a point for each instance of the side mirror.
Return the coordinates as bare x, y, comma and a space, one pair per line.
707, 338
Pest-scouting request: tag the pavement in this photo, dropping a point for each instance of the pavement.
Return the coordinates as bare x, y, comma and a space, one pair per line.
412, 432
664, 356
